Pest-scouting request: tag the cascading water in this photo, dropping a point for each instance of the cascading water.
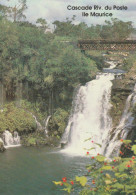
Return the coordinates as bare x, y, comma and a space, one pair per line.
39, 126
90, 116
10, 140
124, 127
46, 125
112, 65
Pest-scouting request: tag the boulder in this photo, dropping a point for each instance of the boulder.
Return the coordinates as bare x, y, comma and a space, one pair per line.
2, 148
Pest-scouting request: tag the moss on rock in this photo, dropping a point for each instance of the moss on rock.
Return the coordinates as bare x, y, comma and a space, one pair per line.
2, 148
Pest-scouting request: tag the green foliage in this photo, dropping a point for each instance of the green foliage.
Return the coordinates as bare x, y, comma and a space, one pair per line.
105, 177
134, 149
48, 69
121, 30
13, 118
82, 180
100, 158
58, 122
43, 23
129, 62
31, 141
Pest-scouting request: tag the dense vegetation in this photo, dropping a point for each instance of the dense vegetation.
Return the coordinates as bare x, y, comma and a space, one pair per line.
13, 118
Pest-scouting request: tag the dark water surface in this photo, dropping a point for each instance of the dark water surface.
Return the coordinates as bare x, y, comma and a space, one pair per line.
30, 171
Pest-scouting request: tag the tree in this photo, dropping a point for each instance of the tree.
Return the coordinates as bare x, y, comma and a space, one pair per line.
17, 12
43, 24
3, 10
116, 29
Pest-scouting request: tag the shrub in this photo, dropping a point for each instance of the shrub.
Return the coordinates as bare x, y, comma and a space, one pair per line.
106, 176
13, 118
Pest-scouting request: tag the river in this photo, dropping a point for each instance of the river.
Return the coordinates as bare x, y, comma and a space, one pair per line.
30, 171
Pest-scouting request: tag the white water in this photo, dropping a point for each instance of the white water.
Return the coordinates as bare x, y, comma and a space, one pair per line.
90, 117
112, 64
10, 140
39, 126
124, 127
46, 125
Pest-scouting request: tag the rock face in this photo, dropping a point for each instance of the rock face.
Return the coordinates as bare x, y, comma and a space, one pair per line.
119, 95
121, 89
2, 148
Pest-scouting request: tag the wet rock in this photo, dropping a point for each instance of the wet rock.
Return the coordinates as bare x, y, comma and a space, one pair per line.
63, 145
2, 148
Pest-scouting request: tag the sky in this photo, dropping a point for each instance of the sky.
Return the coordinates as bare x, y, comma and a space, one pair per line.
52, 10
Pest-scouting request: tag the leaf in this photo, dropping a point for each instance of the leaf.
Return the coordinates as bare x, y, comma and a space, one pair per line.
108, 182
57, 182
98, 145
122, 166
130, 187
134, 149
88, 139
89, 167
121, 175
92, 149
100, 158
67, 190
89, 149
127, 141
118, 186
106, 168
117, 158
68, 187
107, 175
82, 180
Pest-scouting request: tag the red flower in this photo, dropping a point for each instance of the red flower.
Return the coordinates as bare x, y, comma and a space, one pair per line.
92, 141
130, 161
101, 171
133, 157
91, 189
93, 181
89, 171
72, 182
92, 157
113, 167
121, 140
114, 160
98, 154
105, 163
87, 153
64, 179
61, 184
121, 153
128, 166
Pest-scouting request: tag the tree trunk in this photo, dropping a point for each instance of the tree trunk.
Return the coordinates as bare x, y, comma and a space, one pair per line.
19, 93
2, 95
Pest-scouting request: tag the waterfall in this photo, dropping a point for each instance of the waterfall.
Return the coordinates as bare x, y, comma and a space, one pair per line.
46, 124
10, 140
112, 65
39, 126
124, 127
90, 118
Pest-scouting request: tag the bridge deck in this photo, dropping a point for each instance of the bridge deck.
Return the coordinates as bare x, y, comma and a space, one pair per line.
125, 45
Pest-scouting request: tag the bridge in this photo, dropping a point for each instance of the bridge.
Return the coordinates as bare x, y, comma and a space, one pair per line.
124, 45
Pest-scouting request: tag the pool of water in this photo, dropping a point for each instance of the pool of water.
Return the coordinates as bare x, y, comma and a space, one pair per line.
30, 171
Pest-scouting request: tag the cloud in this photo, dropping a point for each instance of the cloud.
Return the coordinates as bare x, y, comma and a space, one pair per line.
57, 10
